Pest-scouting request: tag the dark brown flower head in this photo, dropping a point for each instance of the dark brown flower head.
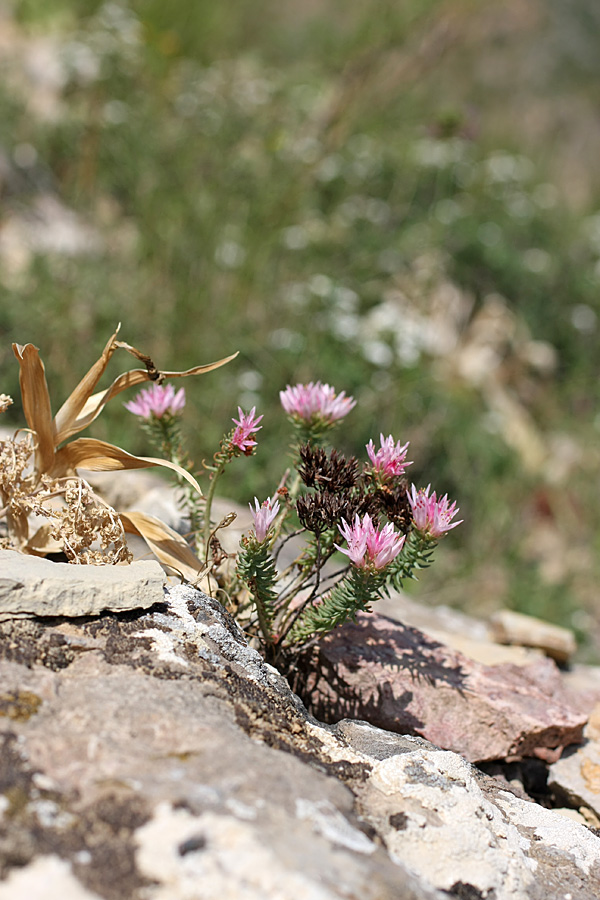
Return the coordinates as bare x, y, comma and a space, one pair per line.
393, 502
333, 473
358, 504
320, 511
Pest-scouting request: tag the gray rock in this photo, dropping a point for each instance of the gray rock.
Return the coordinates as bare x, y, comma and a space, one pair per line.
47, 878
454, 826
32, 586
156, 756
160, 757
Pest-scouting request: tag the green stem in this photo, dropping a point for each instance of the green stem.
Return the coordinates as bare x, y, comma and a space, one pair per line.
354, 593
264, 622
292, 494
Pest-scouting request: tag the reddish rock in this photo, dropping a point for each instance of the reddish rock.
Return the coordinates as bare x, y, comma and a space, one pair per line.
402, 680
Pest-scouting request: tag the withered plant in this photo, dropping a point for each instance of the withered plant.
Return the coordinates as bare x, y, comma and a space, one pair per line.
46, 506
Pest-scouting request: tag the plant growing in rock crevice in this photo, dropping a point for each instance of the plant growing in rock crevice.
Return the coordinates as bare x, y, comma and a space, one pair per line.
389, 531
342, 508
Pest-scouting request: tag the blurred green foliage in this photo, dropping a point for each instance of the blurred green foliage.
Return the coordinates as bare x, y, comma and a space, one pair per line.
289, 181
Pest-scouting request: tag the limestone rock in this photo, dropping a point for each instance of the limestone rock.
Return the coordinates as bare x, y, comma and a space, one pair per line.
47, 878
509, 627
400, 679
160, 757
460, 831
32, 586
156, 756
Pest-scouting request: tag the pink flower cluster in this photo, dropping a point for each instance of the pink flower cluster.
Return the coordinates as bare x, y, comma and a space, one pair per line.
390, 460
247, 426
432, 517
369, 547
315, 403
157, 400
264, 516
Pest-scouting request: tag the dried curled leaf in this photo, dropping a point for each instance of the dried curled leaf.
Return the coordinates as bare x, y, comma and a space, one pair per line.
98, 456
82, 406
36, 403
88, 529
67, 416
43, 542
95, 403
166, 544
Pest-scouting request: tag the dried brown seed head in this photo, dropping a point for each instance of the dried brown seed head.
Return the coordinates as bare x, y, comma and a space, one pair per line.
333, 473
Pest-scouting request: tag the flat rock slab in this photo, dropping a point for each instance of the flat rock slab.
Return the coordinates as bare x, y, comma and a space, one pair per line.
509, 627
403, 680
32, 586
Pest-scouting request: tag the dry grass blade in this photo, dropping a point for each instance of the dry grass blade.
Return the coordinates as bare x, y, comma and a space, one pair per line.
96, 402
68, 414
168, 546
200, 370
98, 456
36, 402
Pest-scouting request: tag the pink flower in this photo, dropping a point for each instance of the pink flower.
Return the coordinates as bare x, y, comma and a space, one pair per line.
263, 516
390, 460
315, 403
369, 547
157, 400
432, 517
247, 425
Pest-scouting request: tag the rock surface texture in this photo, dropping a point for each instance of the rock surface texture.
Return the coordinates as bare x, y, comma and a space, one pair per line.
510, 627
155, 756
32, 586
399, 678
576, 776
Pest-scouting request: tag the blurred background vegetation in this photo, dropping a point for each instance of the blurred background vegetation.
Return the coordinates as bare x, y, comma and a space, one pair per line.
399, 197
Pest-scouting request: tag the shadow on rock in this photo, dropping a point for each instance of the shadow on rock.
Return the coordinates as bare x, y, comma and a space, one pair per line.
400, 679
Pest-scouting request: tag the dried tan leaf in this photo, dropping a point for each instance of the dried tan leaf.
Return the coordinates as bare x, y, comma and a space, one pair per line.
201, 370
153, 372
96, 403
98, 456
168, 546
42, 542
69, 412
36, 402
